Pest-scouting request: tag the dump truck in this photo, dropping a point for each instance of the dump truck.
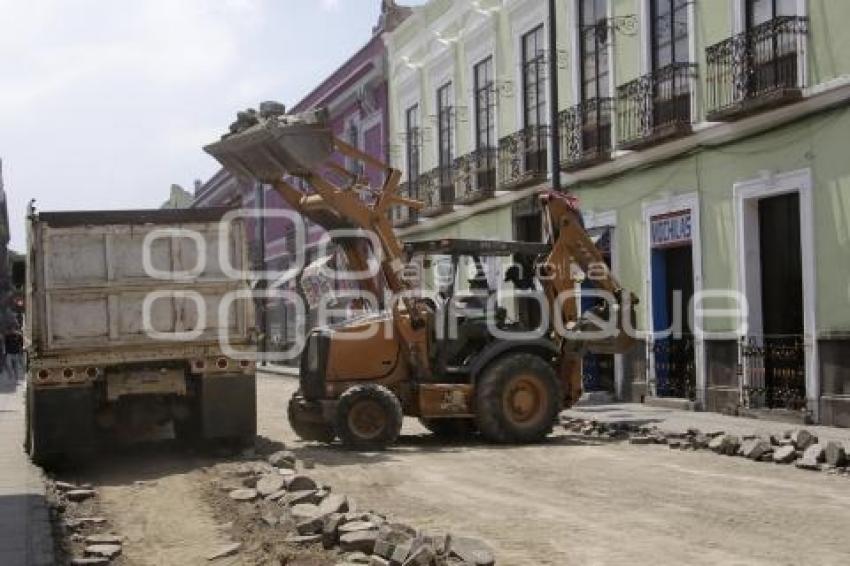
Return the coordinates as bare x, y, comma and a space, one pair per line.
492, 377
136, 327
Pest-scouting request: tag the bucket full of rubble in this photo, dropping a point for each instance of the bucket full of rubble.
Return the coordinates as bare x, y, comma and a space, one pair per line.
268, 144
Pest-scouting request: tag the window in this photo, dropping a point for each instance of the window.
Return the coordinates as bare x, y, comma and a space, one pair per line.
669, 33
485, 124
534, 78
485, 119
445, 115
412, 147
534, 99
353, 135
761, 11
593, 50
672, 75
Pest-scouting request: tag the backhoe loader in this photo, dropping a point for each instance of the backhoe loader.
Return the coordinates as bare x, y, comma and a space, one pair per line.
490, 376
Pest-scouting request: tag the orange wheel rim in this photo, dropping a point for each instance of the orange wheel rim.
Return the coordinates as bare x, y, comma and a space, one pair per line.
524, 399
367, 419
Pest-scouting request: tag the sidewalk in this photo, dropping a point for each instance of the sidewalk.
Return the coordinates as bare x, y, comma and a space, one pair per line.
678, 420
25, 535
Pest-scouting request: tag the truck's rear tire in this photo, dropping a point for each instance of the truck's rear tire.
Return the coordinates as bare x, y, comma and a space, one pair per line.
518, 399
450, 428
368, 417
307, 420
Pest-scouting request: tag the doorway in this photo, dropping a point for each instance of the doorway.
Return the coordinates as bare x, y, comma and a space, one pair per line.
780, 258
672, 287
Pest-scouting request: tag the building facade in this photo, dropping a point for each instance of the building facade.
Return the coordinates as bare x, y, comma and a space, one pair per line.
704, 141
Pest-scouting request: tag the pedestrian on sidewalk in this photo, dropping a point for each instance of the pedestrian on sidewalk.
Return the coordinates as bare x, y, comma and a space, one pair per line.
14, 343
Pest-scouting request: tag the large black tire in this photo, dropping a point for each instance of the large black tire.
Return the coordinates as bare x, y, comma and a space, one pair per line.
368, 417
518, 399
450, 428
307, 421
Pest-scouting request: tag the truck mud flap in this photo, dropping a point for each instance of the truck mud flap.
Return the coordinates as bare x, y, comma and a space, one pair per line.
62, 423
228, 405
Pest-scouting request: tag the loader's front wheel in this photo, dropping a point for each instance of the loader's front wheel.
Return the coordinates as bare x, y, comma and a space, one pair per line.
518, 399
368, 417
307, 420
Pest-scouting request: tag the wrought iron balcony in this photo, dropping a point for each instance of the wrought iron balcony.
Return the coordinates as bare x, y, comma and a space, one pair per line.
403, 215
475, 175
762, 67
585, 132
656, 107
522, 157
436, 190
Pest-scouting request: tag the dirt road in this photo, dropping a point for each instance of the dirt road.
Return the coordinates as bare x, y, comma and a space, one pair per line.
566, 502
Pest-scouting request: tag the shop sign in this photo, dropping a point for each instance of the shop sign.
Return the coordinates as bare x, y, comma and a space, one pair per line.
670, 230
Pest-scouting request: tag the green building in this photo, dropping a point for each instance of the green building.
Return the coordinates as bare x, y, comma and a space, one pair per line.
707, 141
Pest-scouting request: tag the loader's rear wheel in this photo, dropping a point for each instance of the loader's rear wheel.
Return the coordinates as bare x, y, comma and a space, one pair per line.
450, 427
307, 420
518, 399
368, 417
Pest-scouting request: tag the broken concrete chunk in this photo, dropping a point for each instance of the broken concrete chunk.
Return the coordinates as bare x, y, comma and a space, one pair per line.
472, 551
755, 449
104, 539
304, 511
64, 486
301, 483
293, 497
834, 454
334, 503
364, 541
355, 526
78, 495
802, 439
378, 561
283, 459
270, 484
330, 530
109, 551
271, 108
816, 452
244, 494
225, 551
784, 455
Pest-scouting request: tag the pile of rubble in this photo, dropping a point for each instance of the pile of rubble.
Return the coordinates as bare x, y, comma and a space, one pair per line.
798, 447
277, 502
84, 535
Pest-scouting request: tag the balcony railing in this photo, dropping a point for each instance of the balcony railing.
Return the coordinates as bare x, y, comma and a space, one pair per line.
436, 190
404, 215
585, 131
656, 107
762, 67
475, 175
522, 157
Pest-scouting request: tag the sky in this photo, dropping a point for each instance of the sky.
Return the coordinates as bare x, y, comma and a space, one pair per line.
105, 103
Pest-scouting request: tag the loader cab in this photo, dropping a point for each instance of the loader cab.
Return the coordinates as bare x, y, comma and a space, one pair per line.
465, 279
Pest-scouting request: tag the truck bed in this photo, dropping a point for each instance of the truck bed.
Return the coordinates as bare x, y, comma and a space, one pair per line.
90, 292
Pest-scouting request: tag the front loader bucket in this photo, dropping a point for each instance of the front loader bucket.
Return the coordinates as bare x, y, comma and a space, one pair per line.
275, 147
